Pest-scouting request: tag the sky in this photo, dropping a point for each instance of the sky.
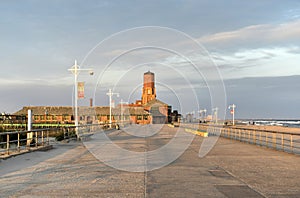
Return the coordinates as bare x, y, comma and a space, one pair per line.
203, 53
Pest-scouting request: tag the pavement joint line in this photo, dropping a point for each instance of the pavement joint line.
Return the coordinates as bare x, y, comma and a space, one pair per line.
244, 183
145, 175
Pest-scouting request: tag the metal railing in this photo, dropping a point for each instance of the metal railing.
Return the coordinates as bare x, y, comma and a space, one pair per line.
23, 141
18, 141
284, 141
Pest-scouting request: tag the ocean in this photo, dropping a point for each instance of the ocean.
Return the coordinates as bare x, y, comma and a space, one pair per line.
271, 122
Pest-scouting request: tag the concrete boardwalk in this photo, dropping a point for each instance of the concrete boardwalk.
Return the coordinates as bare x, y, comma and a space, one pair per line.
231, 169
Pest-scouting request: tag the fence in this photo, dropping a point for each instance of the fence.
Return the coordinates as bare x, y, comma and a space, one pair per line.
23, 141
284, 141
19, 141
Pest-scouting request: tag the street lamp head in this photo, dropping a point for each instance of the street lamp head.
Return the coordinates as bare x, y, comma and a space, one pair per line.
91, 72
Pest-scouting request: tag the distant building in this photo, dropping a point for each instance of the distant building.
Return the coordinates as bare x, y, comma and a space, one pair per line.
145, 111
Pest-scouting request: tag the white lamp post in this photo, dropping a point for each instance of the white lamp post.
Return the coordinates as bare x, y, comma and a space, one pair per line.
215, 111
203, 113
75, 69
193, 114
110, 94
204, 116
122, 110
232, 112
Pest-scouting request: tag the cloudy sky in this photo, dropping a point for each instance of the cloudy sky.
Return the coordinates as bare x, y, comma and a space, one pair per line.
253, 47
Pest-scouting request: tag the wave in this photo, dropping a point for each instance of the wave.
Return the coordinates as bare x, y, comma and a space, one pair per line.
285, 123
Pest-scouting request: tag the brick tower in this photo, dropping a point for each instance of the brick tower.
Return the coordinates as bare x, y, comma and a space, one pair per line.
149, 92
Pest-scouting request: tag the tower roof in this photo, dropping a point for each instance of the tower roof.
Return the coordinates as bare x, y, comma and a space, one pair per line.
148, 72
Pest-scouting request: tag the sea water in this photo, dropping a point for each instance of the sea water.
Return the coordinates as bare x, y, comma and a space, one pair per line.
285, 123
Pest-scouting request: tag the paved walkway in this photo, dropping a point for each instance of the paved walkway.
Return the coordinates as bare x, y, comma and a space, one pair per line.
231, 169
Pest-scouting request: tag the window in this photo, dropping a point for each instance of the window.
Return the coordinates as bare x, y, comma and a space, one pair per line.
139, 117
65, 117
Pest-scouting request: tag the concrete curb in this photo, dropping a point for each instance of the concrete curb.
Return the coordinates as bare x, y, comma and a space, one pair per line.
200, 133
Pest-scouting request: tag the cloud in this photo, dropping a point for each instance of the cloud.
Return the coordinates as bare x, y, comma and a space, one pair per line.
256, 35
273, 61
27, 82
257, 50
293, 13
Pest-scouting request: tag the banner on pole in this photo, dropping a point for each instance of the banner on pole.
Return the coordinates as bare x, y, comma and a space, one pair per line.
232, 111
80, 88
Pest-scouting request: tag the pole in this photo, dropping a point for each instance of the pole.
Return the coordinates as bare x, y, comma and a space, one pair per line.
29, 125
215, 111
110, 94
233, 106
233, 112
29, 120
122, 118
233, 109
216, 115
76, 97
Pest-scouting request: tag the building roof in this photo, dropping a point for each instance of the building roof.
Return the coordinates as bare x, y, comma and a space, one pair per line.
155, 102
42, 110
68, 110
156, 113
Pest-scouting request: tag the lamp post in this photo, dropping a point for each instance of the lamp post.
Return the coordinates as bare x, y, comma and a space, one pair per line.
232, 111
193, 114
110, 94
75, 69
122, 111
203, 113
215, 112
